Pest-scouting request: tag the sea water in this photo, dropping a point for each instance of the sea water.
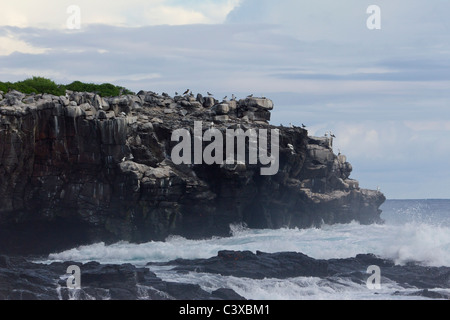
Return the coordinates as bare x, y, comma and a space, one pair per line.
414, 231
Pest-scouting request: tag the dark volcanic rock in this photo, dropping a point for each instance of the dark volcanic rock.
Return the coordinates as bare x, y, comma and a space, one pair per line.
82, 168
256, 266
23, 280
291, 264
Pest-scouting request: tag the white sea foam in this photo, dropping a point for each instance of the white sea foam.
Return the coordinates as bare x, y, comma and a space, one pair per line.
299, 288
419, 242
414, 231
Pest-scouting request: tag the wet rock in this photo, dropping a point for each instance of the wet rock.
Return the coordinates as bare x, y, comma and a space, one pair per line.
24, 280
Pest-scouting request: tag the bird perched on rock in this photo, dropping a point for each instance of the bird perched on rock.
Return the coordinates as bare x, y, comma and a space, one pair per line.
187, 91
233, 97
209, 94
290, 146
303, 126
333, 136
225, 98
250, 96
176, 93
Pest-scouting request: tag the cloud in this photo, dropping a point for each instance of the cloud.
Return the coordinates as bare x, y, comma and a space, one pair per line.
52, 14
345, 21
10, 45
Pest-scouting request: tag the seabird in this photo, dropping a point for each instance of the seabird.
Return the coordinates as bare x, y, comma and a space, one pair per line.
209, 94
291, 125
187, 91
176, 93
250, 96
333, 136
303, 126
233, 97
290, 146
225, 98
124, 159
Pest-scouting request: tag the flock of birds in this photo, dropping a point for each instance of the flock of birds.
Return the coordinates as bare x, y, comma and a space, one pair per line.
188, 92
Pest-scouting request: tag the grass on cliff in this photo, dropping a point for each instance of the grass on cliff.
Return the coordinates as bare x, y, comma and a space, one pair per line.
43, 85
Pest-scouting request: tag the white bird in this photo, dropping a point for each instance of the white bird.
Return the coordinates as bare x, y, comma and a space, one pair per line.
290, 146
124, 159
233, 97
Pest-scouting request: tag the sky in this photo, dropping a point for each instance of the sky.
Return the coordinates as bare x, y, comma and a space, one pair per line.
384, 93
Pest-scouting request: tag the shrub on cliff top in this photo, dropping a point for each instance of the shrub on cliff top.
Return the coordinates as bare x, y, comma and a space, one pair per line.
34, 85
42, 85
104, 90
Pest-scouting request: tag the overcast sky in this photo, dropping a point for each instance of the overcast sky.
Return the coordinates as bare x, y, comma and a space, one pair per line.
384, 93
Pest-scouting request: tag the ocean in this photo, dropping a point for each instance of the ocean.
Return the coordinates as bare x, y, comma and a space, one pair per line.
415, 231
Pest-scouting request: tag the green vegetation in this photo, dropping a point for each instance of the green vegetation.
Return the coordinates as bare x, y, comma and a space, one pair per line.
43, 85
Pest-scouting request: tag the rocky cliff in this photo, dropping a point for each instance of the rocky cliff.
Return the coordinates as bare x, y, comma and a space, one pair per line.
81, 168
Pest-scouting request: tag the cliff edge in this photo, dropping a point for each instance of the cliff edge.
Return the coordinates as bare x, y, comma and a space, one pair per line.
81, 168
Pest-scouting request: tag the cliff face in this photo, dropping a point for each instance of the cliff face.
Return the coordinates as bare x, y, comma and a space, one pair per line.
82, 168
